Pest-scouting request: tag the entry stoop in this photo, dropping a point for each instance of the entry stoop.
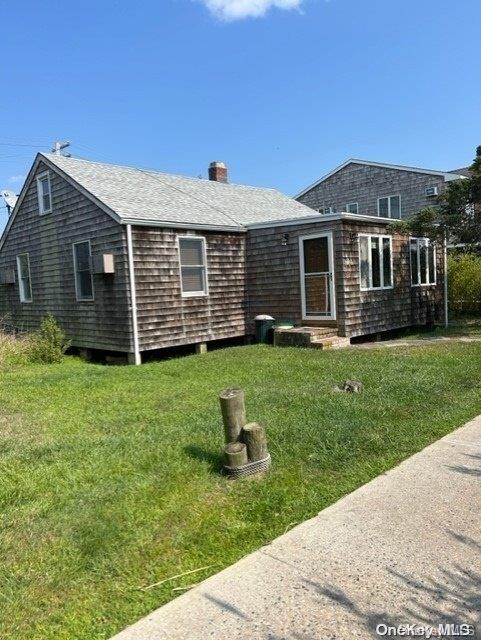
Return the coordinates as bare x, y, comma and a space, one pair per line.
317, 337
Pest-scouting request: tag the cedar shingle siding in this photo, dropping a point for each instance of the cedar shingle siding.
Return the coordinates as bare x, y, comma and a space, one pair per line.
250, 271
273, 280
103, 323
165, 318
364, 184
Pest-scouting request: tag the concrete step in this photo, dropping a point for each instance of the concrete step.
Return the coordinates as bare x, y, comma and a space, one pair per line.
318, 337
334, 342
322, 332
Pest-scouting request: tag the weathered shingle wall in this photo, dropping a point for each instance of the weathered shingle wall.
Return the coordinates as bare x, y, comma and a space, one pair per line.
273, 273
273, 280
366, 312
165, 318
103, 323
364, 184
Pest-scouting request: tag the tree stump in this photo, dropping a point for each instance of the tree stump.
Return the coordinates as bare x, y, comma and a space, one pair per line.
233, 413
254, 436
235, 454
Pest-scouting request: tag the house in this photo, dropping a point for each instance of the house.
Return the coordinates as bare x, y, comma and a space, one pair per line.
131, 260
377, 189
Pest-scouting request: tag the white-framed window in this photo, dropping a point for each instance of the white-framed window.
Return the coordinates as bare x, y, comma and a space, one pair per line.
82, 264
352, 207
375, 262
327, 210
423, 261
193, 266
389, 207
24, 280
44, 192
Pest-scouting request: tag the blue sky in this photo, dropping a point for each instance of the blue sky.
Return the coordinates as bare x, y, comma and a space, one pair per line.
281, 93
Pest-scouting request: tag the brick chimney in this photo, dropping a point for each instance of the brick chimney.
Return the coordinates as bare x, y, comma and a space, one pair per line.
218, 172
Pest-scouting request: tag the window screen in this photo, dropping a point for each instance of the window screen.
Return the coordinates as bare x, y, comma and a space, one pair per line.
389, 207
44, 194
192, 266
375, 262
24, 282
423, 261
83, 271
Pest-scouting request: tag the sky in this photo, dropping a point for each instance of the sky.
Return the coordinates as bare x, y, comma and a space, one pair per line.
282, 91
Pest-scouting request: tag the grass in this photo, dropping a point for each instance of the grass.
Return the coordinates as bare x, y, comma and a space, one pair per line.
458, 327
109, 476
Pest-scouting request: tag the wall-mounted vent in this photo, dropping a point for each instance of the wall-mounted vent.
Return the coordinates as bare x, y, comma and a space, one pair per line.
103, 263
431, 192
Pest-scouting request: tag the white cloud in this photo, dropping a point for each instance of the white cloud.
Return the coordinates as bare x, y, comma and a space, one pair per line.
238, 9
17, 178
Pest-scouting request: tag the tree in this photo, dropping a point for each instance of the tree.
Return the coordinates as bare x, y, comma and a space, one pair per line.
458, 214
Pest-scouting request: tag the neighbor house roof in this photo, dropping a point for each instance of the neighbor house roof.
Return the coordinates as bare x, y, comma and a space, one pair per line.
447, 175
141, 196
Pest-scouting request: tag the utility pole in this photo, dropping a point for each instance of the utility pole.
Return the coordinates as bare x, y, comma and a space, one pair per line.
58, 147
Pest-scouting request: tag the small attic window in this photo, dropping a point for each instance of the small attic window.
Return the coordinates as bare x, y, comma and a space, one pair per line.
44, 192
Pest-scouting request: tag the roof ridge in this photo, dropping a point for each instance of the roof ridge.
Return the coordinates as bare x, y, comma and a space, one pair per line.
401, 166
161, 173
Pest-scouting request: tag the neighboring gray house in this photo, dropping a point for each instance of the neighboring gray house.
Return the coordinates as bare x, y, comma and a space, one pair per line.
377, 189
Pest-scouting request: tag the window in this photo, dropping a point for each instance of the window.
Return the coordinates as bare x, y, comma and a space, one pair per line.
24, 282
327, 210
389, 207
193, 271
352, 207
84, 286
44, 192
423, 261
375, 262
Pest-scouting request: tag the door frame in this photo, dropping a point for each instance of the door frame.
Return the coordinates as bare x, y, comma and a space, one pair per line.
332, 288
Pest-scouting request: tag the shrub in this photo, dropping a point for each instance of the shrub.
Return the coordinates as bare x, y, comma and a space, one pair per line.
464, 278
48, 343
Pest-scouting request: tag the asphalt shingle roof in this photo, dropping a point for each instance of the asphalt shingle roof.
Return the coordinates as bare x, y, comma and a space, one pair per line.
145, 195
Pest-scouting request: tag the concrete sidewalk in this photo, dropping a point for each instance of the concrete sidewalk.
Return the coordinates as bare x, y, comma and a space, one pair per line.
404, 548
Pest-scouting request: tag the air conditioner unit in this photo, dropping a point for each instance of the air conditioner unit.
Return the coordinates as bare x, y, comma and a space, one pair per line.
103, 263
7, 276
431, 192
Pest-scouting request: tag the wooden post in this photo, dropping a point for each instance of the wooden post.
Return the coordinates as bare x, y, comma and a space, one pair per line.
254, 436
235, 454
233, 413
201, 347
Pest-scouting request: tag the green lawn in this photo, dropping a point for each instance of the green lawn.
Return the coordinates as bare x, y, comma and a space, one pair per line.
458, 327
109, 476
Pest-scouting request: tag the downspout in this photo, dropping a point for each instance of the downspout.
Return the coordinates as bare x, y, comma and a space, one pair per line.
133, 296
445, 248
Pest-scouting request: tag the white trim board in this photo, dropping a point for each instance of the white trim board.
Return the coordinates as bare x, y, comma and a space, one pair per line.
399, 167
194, 294
328, 217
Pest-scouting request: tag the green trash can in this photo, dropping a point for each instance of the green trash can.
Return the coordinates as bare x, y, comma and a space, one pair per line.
264, 324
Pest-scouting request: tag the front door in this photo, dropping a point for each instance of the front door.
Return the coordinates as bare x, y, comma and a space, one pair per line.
317, 277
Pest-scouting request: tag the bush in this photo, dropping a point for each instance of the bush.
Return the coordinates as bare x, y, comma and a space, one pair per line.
464, 278
48, 344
